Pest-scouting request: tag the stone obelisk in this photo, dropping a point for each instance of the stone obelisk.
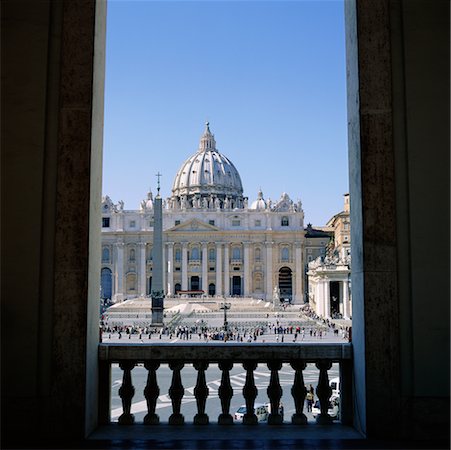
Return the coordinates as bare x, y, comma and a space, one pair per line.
157, 293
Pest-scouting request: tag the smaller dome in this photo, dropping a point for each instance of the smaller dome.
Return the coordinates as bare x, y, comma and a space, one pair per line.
260, 203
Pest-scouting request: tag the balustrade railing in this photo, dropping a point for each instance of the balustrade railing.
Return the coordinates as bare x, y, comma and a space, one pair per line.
225, 355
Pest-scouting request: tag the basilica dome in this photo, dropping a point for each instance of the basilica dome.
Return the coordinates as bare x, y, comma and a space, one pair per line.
208, 174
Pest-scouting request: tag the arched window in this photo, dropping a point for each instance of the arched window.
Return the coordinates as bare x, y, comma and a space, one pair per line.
211, 254
105, 255
285, 221
132, 255
236, 253
258, 254
285, 254
195, 254
178, 255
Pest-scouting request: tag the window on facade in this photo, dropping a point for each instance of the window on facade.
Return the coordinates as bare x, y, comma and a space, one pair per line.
132, 224
151, 223
285, 221
105, 254
195, 254
258, 223
258, 254
105, 222
178, 255
285, 254
177, 222
310, 257
236, 253
235, 223
346, 238
132, 255
211, 222
149, 254
211, 254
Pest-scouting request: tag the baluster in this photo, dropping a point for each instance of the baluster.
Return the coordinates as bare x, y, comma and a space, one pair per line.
250, 393
225, 393
298, 391
176, 392
201, 393
126, 393
323, 391
151, 393
274, 393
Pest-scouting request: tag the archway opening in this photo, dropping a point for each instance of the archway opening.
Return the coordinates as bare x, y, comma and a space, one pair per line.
194, 283
335, 299
236, 285
285, 283
211, 289
106, 284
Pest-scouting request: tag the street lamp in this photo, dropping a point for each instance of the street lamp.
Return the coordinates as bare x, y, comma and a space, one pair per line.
225, 306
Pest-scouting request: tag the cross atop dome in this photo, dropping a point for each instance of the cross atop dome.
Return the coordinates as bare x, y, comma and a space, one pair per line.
207, 141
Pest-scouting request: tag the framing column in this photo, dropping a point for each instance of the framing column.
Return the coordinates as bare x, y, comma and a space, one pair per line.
247, 272
142, 269
268, 271
226, 271
218, 269
205, 267
170, 269
184, 266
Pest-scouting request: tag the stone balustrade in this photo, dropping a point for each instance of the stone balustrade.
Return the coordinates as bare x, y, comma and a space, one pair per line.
225, 355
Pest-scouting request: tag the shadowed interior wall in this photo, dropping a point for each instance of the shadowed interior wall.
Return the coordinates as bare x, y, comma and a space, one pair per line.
51, 186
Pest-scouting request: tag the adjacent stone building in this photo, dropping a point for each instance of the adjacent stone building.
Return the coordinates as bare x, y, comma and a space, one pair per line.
329, 276
215, 242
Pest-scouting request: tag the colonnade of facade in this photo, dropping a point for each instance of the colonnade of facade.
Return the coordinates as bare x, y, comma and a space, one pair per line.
247, 269
332, 297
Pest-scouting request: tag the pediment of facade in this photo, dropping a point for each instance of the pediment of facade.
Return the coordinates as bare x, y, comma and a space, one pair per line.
194, 225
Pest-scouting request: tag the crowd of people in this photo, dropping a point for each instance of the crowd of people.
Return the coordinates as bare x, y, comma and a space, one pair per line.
201, 332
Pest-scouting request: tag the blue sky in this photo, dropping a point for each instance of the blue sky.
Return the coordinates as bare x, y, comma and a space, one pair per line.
270, 77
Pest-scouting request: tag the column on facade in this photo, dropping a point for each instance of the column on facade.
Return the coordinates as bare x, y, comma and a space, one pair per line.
218, 269
319, 297
170, 269
119, 279
247, 269
299, 267
268, 271
184, 266
326, 303
205, 267
226, 271
165, 265
142, 269
346, 304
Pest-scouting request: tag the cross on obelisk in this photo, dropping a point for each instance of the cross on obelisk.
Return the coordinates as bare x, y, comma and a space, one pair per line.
158, 175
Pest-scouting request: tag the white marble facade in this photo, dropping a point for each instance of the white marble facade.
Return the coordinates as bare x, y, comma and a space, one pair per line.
214, 240
329, 286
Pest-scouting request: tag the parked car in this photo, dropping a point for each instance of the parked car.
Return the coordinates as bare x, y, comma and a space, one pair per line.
333, 409
260, 410
334, 383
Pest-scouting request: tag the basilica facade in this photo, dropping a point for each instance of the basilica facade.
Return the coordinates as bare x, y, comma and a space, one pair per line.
216, 242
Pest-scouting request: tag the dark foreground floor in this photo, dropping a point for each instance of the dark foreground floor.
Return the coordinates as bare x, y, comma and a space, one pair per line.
237, 437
